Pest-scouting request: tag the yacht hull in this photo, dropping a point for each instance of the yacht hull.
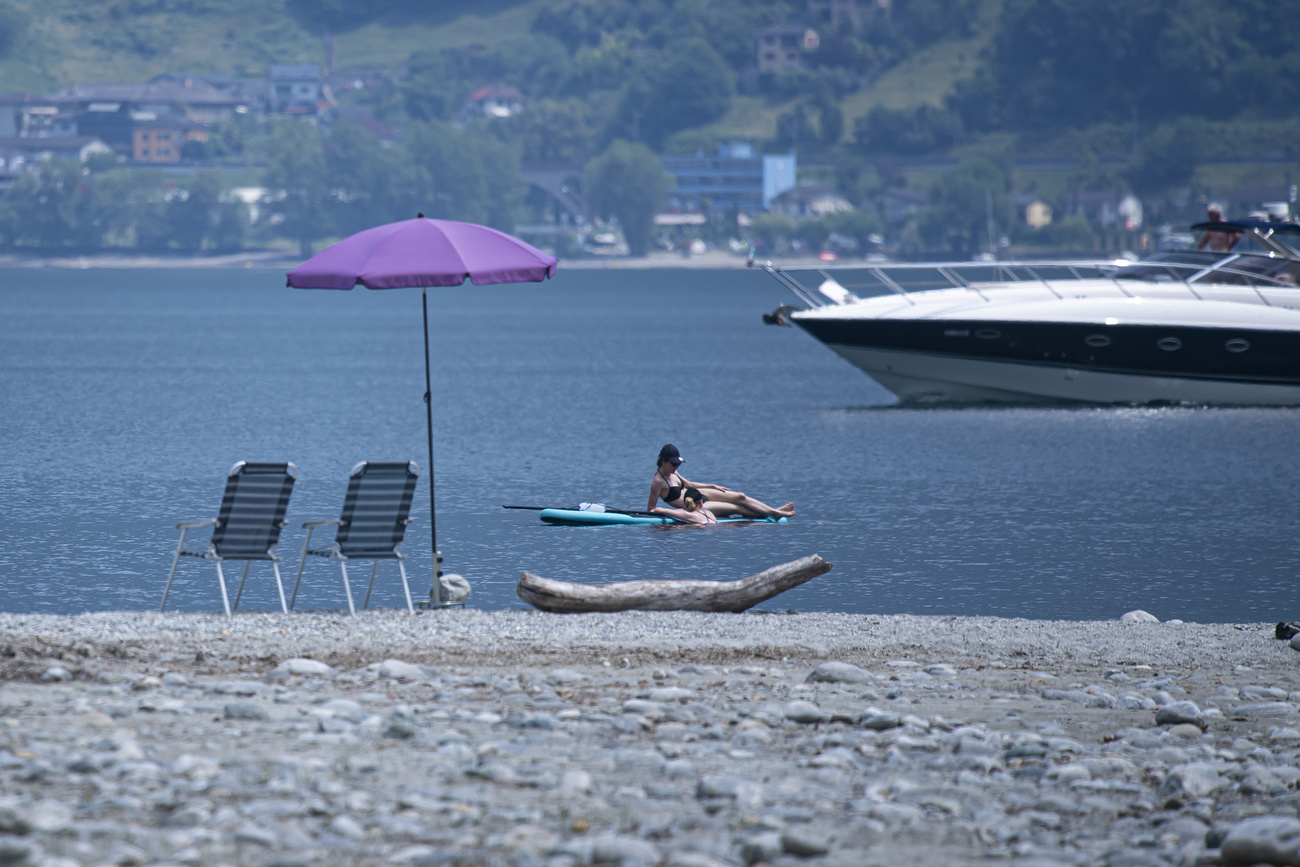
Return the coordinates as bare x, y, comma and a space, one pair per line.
926, 378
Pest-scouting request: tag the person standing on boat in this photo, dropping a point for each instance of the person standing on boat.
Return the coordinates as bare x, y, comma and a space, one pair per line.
669, 485
692, 510
1219, 242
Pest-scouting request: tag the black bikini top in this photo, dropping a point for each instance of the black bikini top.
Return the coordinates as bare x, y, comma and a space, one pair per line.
674, 491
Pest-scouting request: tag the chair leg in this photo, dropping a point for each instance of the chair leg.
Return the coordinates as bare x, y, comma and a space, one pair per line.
301, 563
240, 594
279, 585
225, 599
370, 589
347, 588
406, 588
172, 574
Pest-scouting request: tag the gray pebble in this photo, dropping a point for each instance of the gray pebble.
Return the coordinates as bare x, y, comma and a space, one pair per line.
346, 826
804, 842
299, 667
624, 851
398, 670
877, 720
48, 816
56, 674
804, 712
761, 847
840, 672
1262, 840
1179, 712
247, 710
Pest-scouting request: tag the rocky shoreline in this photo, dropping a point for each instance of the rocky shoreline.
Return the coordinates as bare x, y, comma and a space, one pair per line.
687, 740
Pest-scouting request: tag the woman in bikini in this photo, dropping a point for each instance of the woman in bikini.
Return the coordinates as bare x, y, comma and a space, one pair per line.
668, 485
692, 510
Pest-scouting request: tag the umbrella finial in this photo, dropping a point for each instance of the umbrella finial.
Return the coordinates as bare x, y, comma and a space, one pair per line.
419, 215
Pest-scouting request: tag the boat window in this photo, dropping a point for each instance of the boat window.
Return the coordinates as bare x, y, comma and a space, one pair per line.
988, 334
1176, 265
1252, 271
1169, 344
1237, 344
1097, 341
1156, 273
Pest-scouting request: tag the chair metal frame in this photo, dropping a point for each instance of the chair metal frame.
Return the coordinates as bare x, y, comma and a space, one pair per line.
209, 551
334, 550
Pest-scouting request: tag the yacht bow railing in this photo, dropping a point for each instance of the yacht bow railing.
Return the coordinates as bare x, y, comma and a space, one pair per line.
837, 284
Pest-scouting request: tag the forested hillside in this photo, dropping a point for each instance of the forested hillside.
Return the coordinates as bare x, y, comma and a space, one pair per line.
1125, 95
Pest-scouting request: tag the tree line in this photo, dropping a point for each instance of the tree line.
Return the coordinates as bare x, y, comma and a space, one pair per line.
319, 185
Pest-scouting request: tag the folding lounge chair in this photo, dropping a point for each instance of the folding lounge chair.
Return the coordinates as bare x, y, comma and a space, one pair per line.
248, 526
373, 524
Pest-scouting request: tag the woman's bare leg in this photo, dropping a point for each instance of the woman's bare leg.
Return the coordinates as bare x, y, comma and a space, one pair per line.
727, 502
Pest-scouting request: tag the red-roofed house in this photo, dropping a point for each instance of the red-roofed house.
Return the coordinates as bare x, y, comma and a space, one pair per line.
495, 100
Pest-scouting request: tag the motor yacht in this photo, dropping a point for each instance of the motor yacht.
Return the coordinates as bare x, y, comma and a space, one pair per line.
1199, 327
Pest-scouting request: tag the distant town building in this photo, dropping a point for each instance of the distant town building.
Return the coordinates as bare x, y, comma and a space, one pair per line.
112, 111
293, 89
495, 100
733, 178
23, 115
160, 140
249, 94
810, 201
782, 46
189, 97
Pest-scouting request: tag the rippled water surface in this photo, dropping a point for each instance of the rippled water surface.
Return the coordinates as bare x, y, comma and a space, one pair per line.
125, 396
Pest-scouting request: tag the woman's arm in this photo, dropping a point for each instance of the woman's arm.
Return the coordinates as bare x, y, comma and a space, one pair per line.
656, 487
680, 514
701, 486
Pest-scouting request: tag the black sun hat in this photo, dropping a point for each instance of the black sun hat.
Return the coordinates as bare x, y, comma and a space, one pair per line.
670, 453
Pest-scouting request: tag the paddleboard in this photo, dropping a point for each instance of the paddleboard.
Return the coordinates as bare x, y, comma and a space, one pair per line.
577, 517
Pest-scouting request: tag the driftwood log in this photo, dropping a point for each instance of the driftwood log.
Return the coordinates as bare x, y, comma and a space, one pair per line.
564, 597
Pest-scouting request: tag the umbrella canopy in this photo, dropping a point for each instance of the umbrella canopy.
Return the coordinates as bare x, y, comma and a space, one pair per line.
423, 252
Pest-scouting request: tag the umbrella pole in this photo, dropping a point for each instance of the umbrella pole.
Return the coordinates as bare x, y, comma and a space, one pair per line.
435, 592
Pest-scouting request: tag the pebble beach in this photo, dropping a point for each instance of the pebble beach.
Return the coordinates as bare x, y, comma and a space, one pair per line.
680, 739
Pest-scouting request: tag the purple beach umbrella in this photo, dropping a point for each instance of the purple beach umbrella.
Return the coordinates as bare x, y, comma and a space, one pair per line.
422, 253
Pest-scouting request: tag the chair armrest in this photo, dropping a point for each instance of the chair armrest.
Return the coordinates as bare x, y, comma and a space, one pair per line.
190, 525
312, 525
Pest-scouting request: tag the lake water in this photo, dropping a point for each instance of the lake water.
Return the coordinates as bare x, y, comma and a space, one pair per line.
125, 396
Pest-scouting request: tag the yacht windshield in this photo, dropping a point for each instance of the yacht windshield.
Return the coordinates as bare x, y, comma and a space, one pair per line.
1245, 269
1171, 267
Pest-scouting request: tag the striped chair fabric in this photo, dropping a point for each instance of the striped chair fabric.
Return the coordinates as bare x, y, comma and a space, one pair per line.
376, 512
252, 511
247, 527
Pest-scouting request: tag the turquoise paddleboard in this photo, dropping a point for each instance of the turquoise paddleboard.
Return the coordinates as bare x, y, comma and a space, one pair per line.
578, 517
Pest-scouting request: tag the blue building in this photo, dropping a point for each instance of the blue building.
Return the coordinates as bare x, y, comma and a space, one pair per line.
733, 178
